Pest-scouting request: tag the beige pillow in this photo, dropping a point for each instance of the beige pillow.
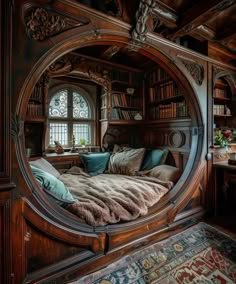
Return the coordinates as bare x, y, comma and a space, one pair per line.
164, 172
44, 165
126, 162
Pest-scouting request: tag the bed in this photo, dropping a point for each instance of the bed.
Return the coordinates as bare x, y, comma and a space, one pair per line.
111, 187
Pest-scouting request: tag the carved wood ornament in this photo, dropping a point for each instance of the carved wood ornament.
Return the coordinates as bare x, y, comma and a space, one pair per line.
196, 70
76, 64
41, 24
145, 9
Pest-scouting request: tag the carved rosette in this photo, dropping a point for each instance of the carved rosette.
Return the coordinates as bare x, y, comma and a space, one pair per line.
41, 24
195, 69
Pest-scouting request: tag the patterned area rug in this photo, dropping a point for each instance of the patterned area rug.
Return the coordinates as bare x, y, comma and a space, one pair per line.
201, 254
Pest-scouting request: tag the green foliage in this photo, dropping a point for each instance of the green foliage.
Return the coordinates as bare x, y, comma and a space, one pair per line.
222, 140
82, 141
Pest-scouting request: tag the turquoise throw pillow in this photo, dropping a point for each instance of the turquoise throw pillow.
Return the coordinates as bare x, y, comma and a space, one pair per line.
54, 188
95, 163
153, 158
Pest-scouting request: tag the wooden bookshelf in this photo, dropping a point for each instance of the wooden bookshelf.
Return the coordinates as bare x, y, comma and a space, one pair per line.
165, 98
123, 105
222, 101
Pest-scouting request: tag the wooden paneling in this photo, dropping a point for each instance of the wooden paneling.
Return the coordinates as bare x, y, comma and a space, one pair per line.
5, 237
43, 242
5, 90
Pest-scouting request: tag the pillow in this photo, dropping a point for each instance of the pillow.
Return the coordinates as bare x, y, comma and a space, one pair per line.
54, 188
164, 172
45, 166
153, 158
126, 162
77, 171
95, 163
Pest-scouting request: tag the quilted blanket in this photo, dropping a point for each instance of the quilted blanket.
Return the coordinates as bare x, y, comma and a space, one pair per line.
109, 198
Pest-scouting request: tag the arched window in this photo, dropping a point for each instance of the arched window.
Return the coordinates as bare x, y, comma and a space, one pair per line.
70, 113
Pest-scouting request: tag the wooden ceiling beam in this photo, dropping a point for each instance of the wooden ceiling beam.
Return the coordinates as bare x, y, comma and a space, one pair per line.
165, 14
227, 33
199, 15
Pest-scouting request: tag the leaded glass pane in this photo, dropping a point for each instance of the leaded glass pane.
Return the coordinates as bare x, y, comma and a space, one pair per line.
80, 107
82, 130
58, 105
58, 132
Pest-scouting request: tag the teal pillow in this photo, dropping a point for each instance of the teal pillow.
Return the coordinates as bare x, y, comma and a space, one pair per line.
153, 158
95, 163
54, 188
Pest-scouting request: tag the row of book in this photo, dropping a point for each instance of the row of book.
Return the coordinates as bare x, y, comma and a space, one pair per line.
163, 92
157, 75
220, 93
219, 109
34, 109
172, 110
37, 93
119, 114
126, 101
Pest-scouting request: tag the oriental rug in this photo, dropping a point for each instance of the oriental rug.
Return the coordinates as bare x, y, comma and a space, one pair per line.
201, 254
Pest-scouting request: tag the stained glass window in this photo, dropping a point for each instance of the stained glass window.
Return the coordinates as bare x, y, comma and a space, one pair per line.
70, 114
58, 105
80, 106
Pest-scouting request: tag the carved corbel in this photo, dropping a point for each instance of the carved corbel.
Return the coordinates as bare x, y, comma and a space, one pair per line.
41, 24
144, 11
195, 69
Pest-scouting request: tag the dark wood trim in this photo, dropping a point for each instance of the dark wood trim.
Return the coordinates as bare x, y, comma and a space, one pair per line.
5, 89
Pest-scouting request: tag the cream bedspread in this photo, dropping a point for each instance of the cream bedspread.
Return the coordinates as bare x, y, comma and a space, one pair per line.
109, 198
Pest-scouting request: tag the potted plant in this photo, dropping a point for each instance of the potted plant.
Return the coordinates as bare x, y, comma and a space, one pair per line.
82, 142
223, 138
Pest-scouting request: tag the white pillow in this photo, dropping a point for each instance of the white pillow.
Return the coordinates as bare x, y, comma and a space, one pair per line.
44, 165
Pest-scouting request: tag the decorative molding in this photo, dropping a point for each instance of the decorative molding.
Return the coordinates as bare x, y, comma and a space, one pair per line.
195, 69
17, 127
41, 23
70, 64
176, 138
144, 11
222, 6
217, 70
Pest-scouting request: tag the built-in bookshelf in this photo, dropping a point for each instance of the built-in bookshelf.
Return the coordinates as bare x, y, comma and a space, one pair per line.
222, 99
35, 107
104, 105
166, 100
34, 127
126, 98
126, 106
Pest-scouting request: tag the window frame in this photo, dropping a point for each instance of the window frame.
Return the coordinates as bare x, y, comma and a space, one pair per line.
70, 120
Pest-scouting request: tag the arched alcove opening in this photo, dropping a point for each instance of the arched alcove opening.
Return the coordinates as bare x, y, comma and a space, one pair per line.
195, 131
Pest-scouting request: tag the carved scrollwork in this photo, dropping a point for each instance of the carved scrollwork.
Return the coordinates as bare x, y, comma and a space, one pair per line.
195, 69
17, 127
144, 11
69, 64
41, 24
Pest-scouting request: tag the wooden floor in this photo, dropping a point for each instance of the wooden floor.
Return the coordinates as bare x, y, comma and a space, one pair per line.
227, 223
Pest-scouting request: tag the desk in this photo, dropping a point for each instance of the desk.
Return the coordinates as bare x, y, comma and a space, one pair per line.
224, 188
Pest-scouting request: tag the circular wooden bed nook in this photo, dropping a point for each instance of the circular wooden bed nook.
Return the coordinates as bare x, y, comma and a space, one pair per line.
136, 180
